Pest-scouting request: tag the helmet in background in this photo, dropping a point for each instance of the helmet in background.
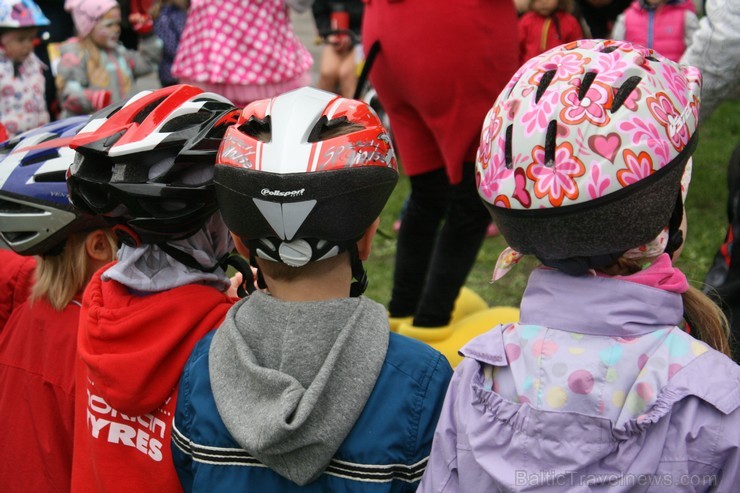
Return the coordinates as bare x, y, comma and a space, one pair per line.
16, 14
147, 164
36, 215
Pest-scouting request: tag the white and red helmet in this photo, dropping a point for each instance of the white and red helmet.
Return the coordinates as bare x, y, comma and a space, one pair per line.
583, 152
301, 176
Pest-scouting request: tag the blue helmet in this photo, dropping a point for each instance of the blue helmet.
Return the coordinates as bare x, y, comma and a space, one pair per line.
15, 14
36, 215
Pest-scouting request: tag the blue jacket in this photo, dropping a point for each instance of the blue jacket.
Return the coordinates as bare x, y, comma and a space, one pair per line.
386, 451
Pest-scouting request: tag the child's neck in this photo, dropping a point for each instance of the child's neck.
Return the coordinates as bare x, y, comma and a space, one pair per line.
318, 287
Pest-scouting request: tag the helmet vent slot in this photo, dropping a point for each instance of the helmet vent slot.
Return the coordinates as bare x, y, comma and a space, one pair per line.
16, 208
544, 82
550, 143
507, 147
328, 129
184, 121
141, 115
588, 79
18, 236
609, 49
51, 177
40, 157
260, 129
624, 91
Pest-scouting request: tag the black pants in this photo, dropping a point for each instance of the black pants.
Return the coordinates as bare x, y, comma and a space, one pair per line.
722, 283
441, 233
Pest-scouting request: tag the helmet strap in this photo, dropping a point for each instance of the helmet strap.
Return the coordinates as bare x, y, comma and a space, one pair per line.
241, 265
253, 260
675, 235
358, 272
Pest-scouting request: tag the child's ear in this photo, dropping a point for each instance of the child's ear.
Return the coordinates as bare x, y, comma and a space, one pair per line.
364, 246
98, 247
240, 246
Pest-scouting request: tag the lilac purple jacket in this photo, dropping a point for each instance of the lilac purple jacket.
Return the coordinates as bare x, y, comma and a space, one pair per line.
595, 389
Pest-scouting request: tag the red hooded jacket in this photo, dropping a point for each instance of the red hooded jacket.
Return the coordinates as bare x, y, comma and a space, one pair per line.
16, 279
132, 349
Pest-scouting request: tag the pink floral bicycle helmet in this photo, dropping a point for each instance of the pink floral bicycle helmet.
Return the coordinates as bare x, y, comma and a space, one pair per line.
583, 152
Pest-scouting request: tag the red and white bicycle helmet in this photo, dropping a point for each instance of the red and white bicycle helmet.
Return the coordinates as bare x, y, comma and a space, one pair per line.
583, 152
147, 164
303, 175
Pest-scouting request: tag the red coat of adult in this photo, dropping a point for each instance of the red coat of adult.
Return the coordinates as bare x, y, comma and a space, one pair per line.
538, 33
37, 382
16, 280
441, 65
132, 349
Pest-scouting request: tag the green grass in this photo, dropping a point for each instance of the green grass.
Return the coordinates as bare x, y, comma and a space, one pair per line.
706, 208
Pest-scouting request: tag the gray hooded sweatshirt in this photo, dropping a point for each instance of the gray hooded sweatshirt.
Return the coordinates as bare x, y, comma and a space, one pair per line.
290, 379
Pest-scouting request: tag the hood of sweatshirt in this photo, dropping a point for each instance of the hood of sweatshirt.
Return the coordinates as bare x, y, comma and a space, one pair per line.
135, 346
290, 379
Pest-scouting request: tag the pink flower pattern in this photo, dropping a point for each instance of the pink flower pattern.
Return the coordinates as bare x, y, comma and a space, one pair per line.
611, 69
593, 107
654, 123
672, 121
598, 183
637, 168
644, 132
676, 84
535, 120
558, 180
567, 65
493, 176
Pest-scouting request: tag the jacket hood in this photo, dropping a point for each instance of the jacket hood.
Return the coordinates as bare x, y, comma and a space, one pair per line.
135, 346
290, 379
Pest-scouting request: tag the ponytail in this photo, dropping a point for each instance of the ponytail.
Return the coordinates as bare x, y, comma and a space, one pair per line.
706, 320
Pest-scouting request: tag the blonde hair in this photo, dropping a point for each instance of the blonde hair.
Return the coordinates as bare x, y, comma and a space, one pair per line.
704, 317
60, 277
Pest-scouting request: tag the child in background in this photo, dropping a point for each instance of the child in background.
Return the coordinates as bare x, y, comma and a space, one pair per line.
243, 50
338, 68
548, 24
147, 166
666, 26
38, 346
169, 25
304, 388
95, 69
597, 388
22, 85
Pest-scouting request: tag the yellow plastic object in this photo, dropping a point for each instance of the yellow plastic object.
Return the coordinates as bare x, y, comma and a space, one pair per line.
450, 339
396, 322
467, 303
